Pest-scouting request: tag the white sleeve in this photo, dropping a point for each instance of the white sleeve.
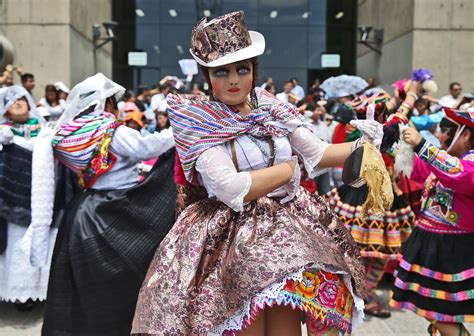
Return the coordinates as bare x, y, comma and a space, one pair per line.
128, 142
310, 148
220, 177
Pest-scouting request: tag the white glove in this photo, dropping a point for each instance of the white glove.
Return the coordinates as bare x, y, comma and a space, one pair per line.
6, 135
372, 131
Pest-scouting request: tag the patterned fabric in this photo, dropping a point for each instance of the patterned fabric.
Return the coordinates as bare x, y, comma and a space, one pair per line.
216, 265
376, 236
375, 269
440, 159
377, 97
322, 296
83, 144
431, 281
429, 273
29, 129
221, 36
199, 125
447, 195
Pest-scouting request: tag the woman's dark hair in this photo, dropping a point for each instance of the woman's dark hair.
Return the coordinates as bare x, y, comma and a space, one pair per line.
254, 61
127, 95
51, 87
168, 124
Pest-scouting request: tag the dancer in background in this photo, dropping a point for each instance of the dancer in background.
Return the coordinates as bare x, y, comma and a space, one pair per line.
435, 278
20, 282
379, 236
110, 231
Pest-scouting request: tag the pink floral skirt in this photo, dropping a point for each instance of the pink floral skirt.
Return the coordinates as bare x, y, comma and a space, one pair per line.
217, 268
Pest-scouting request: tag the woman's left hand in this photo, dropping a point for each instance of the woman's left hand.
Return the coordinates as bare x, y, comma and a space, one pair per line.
411, 136
372, 131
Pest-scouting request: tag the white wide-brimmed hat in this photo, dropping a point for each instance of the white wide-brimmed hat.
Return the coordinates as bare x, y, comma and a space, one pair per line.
225, 40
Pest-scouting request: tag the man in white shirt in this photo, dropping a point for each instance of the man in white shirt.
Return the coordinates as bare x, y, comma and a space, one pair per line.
297, 89
283, 96
454, 98
268, 82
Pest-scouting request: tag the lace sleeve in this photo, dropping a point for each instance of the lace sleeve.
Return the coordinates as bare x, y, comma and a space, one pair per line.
220, 177
310, 150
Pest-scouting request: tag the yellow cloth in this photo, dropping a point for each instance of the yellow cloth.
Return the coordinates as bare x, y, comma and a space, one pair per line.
375, 174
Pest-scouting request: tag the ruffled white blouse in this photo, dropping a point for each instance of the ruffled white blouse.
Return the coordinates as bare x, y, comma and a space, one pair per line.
221, 179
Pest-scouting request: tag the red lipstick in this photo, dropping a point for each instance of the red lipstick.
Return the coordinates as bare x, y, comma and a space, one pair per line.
233, 90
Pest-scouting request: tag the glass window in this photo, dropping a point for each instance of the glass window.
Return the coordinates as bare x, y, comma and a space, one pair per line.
286, 46
175, 44
177, 11
148, 39
283, 12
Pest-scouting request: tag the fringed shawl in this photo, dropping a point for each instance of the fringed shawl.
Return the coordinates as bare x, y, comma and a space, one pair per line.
83, 144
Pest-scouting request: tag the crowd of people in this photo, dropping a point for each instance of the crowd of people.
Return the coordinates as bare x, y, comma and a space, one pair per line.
235, 209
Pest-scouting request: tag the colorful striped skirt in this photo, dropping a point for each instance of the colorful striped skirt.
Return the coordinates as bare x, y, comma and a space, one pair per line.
377, 236
435, 277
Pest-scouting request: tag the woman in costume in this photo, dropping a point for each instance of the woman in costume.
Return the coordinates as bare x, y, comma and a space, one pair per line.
260, 250
110, 231
21, 123
52, 103
379, 236
435, 278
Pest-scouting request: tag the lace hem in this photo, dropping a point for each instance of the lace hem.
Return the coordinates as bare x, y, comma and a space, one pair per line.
247, 314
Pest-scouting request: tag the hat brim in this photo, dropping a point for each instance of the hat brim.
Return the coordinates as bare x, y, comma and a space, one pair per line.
255, 49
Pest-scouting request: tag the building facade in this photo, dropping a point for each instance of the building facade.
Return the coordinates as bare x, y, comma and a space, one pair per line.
297, 33
52, 39
433, 34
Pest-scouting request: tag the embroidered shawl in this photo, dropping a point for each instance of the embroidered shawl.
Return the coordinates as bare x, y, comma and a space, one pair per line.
199, 124
83, 145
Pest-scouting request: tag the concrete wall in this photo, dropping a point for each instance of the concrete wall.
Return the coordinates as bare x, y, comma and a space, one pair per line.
396, 17
435, 34
53, 38
444, 41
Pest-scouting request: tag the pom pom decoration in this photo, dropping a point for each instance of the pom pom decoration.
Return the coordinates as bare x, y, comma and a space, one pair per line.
425, 76
421, 75
400, 85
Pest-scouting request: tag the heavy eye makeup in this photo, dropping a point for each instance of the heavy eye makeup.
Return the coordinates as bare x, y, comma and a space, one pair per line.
242, 69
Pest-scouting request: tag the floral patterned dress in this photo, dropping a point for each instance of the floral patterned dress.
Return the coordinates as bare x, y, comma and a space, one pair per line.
225, 259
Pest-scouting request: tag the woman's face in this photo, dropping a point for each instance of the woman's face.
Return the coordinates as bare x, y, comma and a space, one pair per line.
18, 112
232, 83
162, 121
51, 95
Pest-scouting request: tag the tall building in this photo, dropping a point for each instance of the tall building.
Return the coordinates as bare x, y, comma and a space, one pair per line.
433, 34
53, 39
297, 34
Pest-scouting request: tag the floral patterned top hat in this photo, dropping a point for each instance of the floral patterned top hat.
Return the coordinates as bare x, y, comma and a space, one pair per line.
225, 40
